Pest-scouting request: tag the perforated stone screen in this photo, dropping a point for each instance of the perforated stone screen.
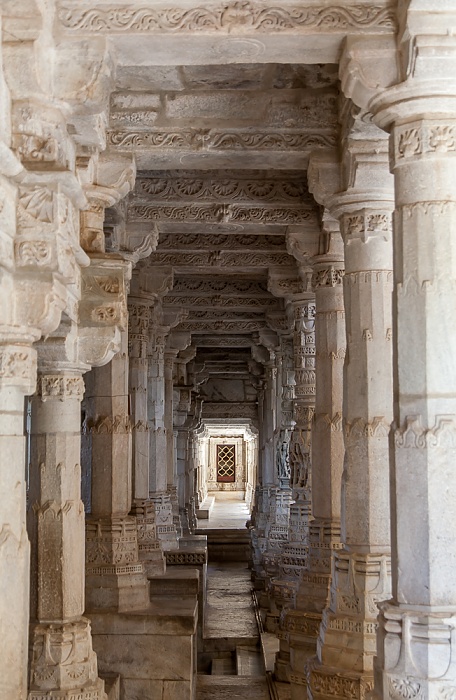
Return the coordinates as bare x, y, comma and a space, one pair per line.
226, 463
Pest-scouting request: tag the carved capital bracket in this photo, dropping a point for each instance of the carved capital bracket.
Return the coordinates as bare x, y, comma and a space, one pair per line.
103, 308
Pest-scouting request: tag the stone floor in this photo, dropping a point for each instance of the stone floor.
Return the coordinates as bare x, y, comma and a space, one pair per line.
230, 613
229, 511
231, 627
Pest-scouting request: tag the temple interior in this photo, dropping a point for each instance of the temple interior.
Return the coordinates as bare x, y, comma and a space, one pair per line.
227, 413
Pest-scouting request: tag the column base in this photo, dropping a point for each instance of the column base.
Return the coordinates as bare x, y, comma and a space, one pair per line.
332, 683
115, 578
64, 664
348, 630
166, 529
150, 551
416, 654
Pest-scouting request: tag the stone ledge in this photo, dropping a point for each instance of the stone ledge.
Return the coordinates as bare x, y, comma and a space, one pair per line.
165, 616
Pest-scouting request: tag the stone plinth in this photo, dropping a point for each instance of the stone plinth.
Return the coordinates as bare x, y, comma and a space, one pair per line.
161, 658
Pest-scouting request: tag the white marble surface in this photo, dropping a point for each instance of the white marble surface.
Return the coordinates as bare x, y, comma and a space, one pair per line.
229, 511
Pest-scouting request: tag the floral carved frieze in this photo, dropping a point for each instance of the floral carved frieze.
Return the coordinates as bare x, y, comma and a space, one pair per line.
220, 213
212, 140
220, 259
232, 190
240, 16
367, 224
424, 137
416, 435
195, 241
221, 325
328, 277
61, 387
219, 300
220, 286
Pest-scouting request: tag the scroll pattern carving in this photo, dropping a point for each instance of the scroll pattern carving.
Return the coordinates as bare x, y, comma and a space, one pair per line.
220, 213
240, 15
205, 140
218, 300
220, 259
202, 241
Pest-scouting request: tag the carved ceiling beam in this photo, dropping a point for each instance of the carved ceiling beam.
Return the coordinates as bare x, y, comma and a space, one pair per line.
192, 186
221, 213
225, 18
196, 242
219, 286
217, 259
219, 301
220, 341
222, 326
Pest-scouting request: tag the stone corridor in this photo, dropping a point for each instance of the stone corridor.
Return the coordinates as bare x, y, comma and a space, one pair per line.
227, 293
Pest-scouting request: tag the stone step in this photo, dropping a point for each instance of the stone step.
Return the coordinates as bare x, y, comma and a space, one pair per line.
249, 661
231, 688
205, 509
230, 544
176, 582
223, 665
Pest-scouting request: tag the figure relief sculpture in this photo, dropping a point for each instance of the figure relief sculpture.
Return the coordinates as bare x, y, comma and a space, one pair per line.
283, 454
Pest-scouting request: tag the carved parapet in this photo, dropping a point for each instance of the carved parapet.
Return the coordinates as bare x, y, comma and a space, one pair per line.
103, 308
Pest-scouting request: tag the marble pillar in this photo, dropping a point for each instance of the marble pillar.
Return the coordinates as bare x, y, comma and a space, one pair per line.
17, 379
149, 548
416, 640
62, 659
361, 569
115, 578
301, 625
158, 476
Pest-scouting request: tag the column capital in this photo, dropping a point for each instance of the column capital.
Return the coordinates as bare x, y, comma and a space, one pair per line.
103, 308
412, 78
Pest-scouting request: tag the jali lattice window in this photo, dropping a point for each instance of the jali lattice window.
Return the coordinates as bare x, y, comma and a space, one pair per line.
226, 462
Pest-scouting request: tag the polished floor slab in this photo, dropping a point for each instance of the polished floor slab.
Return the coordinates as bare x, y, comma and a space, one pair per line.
228, 512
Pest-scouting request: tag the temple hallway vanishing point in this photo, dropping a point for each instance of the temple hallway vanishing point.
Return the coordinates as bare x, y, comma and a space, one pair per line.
227, 275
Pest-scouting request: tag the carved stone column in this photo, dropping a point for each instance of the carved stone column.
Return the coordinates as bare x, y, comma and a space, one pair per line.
264, 507
39, 248
149, 548
158, 476
295, 551
301, 625
115, 576
361, 570
62, 658
417, 642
